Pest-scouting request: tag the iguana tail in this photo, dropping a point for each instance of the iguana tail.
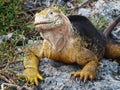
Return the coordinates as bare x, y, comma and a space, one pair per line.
109, 29
112, 49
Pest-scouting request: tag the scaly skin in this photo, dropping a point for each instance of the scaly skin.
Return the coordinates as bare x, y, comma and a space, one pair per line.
61, 43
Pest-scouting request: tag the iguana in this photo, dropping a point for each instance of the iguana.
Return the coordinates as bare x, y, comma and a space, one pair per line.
71, 39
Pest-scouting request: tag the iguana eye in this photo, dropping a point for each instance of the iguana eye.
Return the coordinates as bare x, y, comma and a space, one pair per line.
51, 13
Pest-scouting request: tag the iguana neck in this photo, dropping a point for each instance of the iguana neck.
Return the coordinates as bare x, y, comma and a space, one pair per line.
59, 37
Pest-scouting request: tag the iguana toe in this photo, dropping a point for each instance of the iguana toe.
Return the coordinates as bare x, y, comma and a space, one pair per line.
84, 75
32, 75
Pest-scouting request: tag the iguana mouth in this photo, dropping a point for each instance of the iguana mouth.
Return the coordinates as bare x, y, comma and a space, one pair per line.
43, 23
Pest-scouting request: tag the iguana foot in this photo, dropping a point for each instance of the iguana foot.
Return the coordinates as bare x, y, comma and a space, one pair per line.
88, 72
84, 75
32, 75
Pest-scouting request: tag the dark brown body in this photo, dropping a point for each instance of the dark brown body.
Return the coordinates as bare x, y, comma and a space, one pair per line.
96, 41
92, 38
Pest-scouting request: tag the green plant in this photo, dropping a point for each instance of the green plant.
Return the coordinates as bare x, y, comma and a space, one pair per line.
13, 20
99, 22
12, 17
64, 9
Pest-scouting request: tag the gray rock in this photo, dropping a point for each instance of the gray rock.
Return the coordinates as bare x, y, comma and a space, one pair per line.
47, 3
109, 9
7, 37
116, 34
57, 76
84, 12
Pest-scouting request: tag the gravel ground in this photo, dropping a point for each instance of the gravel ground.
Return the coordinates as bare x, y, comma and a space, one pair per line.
57, 76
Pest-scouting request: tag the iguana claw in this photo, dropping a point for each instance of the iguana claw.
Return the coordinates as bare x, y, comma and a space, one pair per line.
32, 75
84, 75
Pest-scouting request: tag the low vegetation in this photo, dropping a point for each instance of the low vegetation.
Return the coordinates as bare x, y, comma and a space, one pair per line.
14, 25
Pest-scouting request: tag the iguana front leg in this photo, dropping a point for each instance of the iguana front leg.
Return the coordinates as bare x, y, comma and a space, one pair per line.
31, 63
90, 62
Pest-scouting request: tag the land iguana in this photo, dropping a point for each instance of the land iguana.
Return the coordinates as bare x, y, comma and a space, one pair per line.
71, 39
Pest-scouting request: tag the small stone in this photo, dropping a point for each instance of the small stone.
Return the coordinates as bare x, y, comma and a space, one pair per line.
84, 12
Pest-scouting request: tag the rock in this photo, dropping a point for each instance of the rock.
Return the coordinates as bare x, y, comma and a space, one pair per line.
47, 3
84, 11
108, 9
61, 2
116, 34
29, 4
70, 5
57, 76
6, 37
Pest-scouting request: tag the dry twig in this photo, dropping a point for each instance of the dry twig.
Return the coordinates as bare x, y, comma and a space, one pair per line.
16, 86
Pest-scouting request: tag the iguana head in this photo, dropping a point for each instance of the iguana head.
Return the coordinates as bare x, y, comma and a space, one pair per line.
49, 18
54, 26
